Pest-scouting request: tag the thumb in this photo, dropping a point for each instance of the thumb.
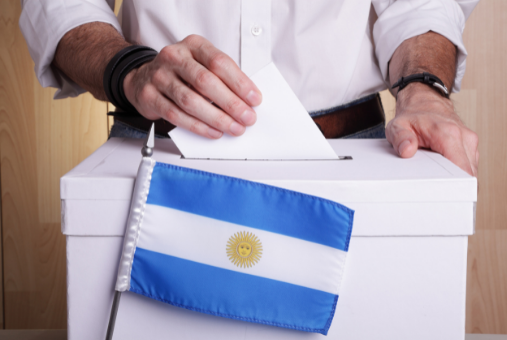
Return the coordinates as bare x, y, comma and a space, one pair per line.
402, 137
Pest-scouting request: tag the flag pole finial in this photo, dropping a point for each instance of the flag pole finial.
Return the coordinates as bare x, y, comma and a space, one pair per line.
149, 143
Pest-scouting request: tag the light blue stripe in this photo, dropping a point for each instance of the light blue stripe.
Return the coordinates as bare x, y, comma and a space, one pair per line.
252, 204
221, 292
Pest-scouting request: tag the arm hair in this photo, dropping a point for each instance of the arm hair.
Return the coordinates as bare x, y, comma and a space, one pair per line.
84, 52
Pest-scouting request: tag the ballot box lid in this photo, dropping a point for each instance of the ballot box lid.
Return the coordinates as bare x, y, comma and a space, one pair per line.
375, 176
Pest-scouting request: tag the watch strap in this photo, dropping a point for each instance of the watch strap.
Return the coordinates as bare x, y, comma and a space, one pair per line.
425, 78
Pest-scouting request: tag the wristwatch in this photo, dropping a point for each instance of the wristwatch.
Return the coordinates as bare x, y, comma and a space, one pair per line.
425, 78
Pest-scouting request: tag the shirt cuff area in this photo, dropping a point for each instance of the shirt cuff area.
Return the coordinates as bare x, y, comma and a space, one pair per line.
406, 19
44, 22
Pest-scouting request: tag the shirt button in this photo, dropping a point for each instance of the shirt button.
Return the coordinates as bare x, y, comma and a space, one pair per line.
256, 30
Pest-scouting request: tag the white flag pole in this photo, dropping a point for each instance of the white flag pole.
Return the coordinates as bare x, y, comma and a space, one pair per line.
147, 152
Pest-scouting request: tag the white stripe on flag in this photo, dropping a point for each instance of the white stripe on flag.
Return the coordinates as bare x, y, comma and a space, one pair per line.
204, 240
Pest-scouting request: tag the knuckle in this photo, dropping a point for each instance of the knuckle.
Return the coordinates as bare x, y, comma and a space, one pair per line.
173, 90
399, 120
474, 138
166, 52
241, 83
195, 127
171, 54
145, 95
397, 125
232, 105
203, 79
192, 39
159, 78
184, 99
171, 116
454, 131
166, 49
389, 124
221, 121
218, 62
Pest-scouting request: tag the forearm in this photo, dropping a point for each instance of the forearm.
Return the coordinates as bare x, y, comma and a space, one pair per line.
425, 118
84, 52
429, 52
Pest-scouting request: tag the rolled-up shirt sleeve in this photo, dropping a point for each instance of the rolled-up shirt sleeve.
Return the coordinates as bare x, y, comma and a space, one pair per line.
403, 19
44, 22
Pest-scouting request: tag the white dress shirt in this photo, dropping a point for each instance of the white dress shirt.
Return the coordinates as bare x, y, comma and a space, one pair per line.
330, 51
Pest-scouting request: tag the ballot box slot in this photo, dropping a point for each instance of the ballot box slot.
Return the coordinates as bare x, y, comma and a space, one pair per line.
340, 158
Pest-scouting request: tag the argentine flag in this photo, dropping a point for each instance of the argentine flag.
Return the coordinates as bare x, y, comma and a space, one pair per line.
234, 248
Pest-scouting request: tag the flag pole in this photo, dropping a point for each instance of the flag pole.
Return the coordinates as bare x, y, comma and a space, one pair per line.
112, 317
147, 151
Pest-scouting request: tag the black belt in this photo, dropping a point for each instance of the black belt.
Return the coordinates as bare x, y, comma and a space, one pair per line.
338, 122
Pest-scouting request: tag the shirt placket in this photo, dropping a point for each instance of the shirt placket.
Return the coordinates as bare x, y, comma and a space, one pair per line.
255, 35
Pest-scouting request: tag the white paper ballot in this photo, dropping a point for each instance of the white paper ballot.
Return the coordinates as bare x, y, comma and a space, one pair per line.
284, 130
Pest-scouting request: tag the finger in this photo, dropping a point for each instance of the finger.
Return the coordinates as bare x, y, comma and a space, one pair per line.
209, 85
402, 137
447, 139
165, 109
195, 105
477, 171
471, 156
471, 144
225, 68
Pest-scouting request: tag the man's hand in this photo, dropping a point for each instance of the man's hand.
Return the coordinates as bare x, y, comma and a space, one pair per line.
425, 119
172, 87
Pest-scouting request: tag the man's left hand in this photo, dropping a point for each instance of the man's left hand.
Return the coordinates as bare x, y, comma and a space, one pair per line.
425, 119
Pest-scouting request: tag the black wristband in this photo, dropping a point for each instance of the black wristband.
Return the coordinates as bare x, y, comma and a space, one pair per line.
425, 78
117, 69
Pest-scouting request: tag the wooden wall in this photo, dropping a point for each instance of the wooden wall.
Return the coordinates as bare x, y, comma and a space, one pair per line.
41, 139
484, 107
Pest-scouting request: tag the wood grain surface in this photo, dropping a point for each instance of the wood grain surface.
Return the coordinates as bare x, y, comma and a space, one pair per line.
60, 334
483, 106
1, 259
40, 140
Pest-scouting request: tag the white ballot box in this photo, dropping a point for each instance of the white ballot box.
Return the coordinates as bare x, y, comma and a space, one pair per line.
405, 276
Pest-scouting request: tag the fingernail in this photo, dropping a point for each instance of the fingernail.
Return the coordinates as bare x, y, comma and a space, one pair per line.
403, 147
236, 129
214, 133
248, 117
254, 98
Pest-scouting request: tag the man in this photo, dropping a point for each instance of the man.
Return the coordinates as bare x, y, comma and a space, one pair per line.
325, 50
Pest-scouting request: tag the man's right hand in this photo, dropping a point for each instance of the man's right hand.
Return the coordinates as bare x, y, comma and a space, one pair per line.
172, 87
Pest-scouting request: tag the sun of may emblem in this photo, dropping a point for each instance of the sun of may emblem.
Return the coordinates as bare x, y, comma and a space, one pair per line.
244, 249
